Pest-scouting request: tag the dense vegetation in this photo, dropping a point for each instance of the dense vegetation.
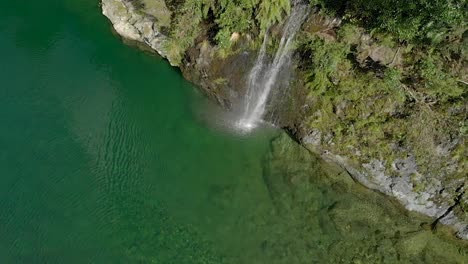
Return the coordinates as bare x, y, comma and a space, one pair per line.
415, 21
386, 81
390, 82
390, 79
406, 20
228, 16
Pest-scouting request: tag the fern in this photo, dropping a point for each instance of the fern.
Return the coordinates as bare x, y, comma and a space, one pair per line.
272, 11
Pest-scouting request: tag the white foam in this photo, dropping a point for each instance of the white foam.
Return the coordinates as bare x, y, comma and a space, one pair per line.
262, 77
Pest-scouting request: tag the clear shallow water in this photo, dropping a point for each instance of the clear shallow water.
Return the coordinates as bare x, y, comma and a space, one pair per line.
103, 160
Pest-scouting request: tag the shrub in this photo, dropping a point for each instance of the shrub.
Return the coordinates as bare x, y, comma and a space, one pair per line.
408, 20
272, 11
436, 82
326, 59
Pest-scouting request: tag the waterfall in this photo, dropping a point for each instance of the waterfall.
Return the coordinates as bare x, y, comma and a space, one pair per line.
263, 76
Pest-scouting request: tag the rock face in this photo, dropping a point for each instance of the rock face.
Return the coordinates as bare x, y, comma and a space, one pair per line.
223, 79
324, 203
134, 25
400, 186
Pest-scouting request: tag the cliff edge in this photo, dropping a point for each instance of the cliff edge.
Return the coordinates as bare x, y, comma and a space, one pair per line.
392, 112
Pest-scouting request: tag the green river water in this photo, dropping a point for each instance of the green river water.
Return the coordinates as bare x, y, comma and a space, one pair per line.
107, 155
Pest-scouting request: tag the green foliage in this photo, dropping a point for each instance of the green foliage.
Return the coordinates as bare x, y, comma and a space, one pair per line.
354, 107
369, 111
238, 16
233, 16
464, 127
407, 20
349, 33
437, 83
272, 11
186, 27
229, 16
327, 58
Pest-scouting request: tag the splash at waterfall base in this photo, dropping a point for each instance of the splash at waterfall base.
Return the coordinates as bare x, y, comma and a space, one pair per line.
225, 81
350, 126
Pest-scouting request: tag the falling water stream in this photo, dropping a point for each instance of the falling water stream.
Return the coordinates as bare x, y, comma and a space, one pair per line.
102, 160
263, 76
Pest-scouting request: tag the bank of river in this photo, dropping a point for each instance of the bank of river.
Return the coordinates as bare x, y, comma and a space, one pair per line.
107, 157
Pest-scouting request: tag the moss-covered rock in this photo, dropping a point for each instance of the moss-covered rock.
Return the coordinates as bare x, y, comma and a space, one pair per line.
346, 222
392, 113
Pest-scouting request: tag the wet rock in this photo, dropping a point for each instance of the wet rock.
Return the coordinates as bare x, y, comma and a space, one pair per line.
223, 79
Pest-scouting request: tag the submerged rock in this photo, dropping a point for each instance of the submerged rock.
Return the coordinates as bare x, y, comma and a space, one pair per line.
351, 223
